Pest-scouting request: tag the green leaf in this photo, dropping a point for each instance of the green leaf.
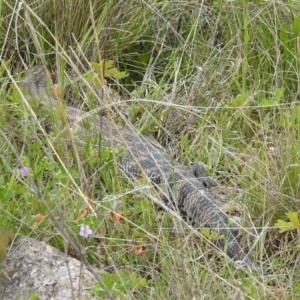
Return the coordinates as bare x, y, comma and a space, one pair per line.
268, 102
98, 80
90, 77
279, 93
120, 75
109, 70
211, 235
108, 64
97, 67
295, 112
239, 101
294, 219
284, 226
285, 38
274, 101
296, 26
33, 296
284, 35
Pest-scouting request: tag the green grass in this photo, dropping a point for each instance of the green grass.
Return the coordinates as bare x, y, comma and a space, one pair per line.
214, 82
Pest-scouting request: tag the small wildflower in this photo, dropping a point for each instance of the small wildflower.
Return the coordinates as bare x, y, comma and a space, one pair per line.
78, 118
25, 122
24, 171
85, 231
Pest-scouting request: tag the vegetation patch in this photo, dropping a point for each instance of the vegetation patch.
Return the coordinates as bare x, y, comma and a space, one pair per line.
215, 82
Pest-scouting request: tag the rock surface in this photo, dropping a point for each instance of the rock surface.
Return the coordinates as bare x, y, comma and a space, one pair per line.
33, 267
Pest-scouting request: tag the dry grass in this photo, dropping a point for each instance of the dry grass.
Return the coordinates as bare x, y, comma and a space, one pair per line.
211, 81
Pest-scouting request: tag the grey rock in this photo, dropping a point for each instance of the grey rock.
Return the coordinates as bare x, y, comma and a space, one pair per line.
35, 267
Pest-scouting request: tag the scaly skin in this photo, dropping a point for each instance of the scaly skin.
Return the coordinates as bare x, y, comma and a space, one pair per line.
184, 192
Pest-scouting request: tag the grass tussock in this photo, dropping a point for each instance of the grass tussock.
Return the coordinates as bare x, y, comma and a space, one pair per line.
215, 82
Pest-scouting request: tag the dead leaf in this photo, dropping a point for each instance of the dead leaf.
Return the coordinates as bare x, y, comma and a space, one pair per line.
117, 216
280, 292
40, 218
84, 213
139, 251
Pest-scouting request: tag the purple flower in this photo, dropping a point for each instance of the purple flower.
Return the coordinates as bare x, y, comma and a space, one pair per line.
25, 121
78, 118
85, 231
24, 171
